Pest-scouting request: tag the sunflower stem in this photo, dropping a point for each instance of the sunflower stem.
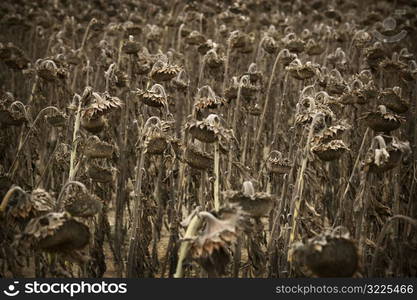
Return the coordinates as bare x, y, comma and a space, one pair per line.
77, 122
266, 104
20, 147
136, 218
8, 195
383, 233
185, 246
299, 188
217, 176
234, 122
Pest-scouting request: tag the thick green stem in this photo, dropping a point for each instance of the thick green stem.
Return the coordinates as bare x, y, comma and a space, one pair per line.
185, 246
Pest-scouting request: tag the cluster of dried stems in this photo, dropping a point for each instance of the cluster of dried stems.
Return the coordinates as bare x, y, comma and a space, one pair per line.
247, 138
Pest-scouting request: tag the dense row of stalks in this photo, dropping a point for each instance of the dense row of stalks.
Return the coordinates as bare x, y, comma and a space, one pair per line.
208, 138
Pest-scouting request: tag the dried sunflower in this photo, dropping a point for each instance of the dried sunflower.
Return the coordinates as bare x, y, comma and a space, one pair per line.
405, 55
248, 89
307, 109
82, 204
154, 34
227, 16
254, 204
239, 39
382, 157
13, 56
338, 59
393, 65
328, 151
354, 94
269, 45
278, 164
302, 71
333, 82
409, 74
361, 39
332, 132
314, 48
255, 75
255, 110
94, 125
374, 55
131, 46
9, 115
62, 156
155, 96
213, 60
328, 255
206, 46
197, 158
36, 204
98, 149
96, 25
181, 81
369, 91
50, 69
162, 70
144, 62
293, 43
391, 98
382, 121
208, 100
184, 31
208, 130
55, 232
98, 104
211, 248
285, 57
57, 118
231, 91
156, 137
132, 28
331, 13
195, 38
100, 174
119, 78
